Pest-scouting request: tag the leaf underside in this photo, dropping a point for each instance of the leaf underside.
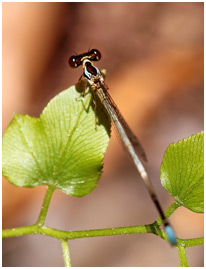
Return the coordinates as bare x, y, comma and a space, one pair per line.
182, 172
63, 148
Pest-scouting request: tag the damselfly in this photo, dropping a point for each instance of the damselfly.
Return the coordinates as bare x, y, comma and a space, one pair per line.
96, 80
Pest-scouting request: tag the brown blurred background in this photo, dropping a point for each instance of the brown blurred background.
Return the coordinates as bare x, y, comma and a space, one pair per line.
153, 53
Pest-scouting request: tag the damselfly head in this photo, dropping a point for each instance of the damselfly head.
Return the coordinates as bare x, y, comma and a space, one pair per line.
77, 60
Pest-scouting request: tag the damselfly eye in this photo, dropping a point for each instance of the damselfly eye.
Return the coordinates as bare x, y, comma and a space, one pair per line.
95, 55
75, 61
72, 62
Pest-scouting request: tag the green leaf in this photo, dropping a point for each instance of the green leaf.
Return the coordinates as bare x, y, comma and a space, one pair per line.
182, 172
63, 148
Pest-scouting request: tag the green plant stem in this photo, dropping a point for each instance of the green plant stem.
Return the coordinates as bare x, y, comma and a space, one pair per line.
66, 253
169, 211
65, 235
45, 206
182, 256
193, 241
58, 234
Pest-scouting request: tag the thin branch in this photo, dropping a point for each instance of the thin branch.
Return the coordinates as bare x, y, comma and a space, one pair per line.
45, 206
192, 242
66, 253
182, 256
67, 235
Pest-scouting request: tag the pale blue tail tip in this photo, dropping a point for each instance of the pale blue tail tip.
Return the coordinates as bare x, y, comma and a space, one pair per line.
171, 235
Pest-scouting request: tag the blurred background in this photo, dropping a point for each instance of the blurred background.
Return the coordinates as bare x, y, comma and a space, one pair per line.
153, 53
